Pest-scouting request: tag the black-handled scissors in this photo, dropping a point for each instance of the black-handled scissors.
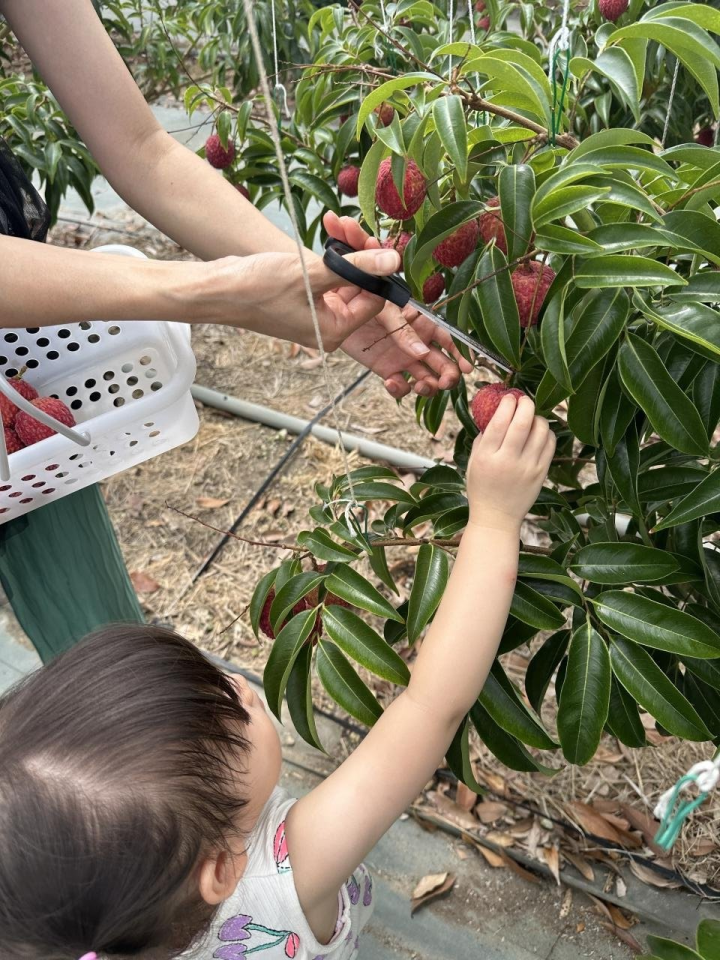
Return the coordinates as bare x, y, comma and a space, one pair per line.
394, 289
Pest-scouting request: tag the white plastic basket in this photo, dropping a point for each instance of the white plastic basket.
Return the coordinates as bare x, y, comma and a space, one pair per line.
128, 385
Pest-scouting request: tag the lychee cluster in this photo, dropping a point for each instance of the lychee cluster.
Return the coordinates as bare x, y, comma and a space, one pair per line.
20, 428
458, 246
531, 282
387, 196
612, 9
487, 400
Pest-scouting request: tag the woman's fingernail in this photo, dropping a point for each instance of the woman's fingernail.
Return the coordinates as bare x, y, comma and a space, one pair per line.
419, 349
423, 389
387, 260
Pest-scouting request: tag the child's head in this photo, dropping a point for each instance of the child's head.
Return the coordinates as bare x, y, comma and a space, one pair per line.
130, 769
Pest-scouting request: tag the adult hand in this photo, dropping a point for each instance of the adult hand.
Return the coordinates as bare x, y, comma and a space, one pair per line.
398, 342
266, 292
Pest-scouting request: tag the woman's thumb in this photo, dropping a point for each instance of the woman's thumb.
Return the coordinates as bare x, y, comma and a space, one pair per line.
378, 262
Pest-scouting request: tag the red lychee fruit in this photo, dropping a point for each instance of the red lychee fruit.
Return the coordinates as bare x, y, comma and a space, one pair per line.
385, 114
491, 225
265, 624
398, 242
347, 181
12, 441
433, 288
31, 431
612, 9
387, 196
531, 282
8, 410
484, 23
487, 400
243, 190
480, 6
216, 154
458, 246
706, 137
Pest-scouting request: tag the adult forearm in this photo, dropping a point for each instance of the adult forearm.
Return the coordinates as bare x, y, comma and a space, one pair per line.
462, 642
191, 202
43, 285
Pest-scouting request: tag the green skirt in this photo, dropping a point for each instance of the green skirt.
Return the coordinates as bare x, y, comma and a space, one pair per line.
63, 572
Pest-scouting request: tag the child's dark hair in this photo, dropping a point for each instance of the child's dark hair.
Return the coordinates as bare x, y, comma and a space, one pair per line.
119, 767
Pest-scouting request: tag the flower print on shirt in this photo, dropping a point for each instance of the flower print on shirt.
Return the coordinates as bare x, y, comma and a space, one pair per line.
353, 890
280, 850
367, 894
241, 929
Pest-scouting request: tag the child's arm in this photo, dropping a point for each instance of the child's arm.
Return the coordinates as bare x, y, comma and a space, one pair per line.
334, 827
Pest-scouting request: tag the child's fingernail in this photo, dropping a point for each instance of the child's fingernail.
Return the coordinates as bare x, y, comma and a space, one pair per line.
419, 349
387, 260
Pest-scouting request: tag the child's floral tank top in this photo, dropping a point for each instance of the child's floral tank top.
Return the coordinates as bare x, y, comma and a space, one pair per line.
264, 913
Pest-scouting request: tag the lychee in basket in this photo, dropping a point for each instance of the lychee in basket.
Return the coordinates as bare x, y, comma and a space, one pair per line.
127, 385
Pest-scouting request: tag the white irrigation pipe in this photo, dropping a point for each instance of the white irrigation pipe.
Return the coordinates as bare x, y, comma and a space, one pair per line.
403, 459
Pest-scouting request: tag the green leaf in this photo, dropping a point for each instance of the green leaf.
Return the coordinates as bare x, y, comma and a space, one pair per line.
670, 949
291, 592
557, 239
598, 320
385, 91
224, 127
703, 500
552, 337
516, 187
317, 188
616, 412
695, 322
321, 545
285, 650
382, 491
624, 717
299, 699
616, 66
542, 667
359, 641
344, 685
345, 582
671, 413
622, 563
506, 748
625, 271
367, 183
624, 157
705, 699
645, 681
431, 576
545, 568
502, 701
706, 670
620, 237
708, 939
499, 307
449, 117
531, 607
585, 697
507, 78
259, 597
564, 202
653, 624
458, 758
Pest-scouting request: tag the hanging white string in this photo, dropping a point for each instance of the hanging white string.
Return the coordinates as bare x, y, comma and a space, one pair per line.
670, 102
279, 87
275, 135
451, 18
384, 15
560, 42
471, 14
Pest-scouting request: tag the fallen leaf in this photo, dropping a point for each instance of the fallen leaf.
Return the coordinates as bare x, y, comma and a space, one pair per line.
465, 797
496, 783
551, 856
521, 827
606, 806
500, 838
566, 904
490, 810
627, 938
651, 878
580, 927
451, 811
593, 822
143, 583
272, 506
437, 891
601, 907
462, 853
494, 859
619, 918
620, 823
520, 870
211, 503
604, 755
620, 887
703, 847
581, 865
429, 882
647, 825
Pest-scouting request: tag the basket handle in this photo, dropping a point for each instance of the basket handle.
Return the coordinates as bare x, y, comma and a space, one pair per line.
82, 438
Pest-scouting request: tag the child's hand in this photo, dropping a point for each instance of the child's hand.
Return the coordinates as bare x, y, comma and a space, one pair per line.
509, 463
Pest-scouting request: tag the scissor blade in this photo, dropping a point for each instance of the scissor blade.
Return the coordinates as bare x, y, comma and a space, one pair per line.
461, 336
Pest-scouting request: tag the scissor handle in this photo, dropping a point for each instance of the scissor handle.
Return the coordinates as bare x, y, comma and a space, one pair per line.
392, 288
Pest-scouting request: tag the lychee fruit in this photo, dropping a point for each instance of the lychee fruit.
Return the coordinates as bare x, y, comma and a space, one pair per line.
306, 603
612, 9
433, 287
398, 243
241, 188
31, 431
12, 441
458, 246
385, 114
487, 400
216, 154
348, 180
480, 6
387, 196
491, 225
531, 282
265, 623
8, 410
484, 23
706, 137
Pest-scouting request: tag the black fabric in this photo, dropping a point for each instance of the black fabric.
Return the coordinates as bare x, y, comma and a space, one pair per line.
23, 212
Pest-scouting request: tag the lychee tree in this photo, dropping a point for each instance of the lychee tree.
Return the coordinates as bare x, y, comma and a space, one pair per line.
587, 255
